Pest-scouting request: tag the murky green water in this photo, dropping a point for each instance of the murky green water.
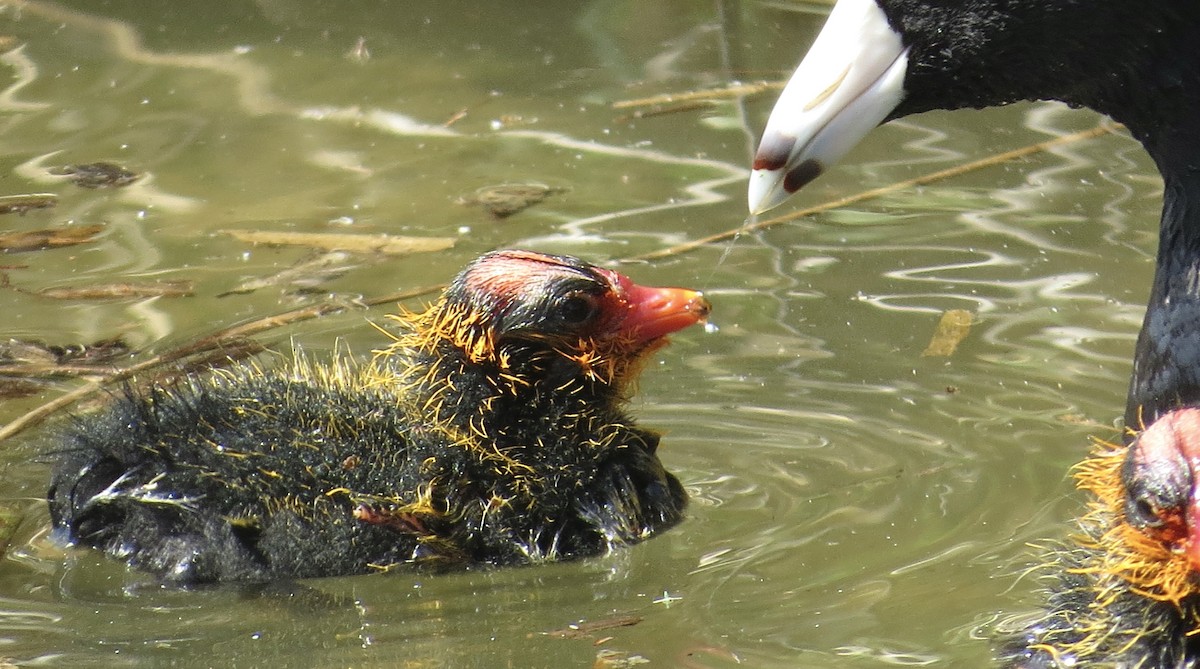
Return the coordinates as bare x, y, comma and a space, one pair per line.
854, 503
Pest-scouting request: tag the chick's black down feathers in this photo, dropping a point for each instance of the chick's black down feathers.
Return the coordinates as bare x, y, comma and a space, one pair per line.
515, 451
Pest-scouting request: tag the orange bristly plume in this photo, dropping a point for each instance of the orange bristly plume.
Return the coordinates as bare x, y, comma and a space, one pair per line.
1151, 568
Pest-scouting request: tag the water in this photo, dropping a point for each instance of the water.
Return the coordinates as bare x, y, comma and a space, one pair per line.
853, 503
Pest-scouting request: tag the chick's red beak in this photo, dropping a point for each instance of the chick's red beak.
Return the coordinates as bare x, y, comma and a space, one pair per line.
648, 313
657, 312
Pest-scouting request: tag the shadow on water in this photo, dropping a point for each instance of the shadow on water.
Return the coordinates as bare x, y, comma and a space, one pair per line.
854, 503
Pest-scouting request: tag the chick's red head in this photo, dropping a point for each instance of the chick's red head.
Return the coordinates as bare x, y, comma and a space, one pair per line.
1144, 524
1160, 475
595, 315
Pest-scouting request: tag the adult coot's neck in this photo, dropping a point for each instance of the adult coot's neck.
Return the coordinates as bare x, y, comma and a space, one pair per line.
1166, 367
1154, 89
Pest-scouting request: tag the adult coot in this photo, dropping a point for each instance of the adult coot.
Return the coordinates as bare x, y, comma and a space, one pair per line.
1127, 596
1136, 61
491, 431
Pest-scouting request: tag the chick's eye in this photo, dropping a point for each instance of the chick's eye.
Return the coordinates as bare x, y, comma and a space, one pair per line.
577, 308
1142, 512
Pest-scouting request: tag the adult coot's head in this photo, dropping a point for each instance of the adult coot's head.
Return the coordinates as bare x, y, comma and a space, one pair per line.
1135, 60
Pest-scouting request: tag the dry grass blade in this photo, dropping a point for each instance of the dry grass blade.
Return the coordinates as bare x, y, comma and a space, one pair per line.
724, 93
586, 629
308, 273
932, 177
666, 110
386, 244
50, 370
112, 291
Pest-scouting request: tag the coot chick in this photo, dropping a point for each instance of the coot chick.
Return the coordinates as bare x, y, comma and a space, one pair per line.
492, 431
1127, 593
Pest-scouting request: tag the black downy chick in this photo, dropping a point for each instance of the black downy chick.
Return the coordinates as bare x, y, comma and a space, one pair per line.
492, 431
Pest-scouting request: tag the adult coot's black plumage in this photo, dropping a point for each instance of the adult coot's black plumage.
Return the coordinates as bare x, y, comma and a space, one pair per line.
491, 431
1126, 597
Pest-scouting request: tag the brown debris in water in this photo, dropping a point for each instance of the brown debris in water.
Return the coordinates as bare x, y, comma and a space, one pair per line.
97, 175
102, 351
664, 110
36, 359
617, 659
19, 204
953, 327
504, 200
49, 238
